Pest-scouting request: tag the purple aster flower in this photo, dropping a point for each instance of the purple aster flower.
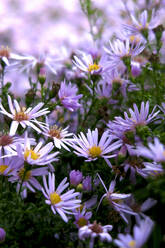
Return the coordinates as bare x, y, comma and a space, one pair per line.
86, 63
26, 179
82, 217
24, 117
137, 117
8, 164
116, 200
144, 22
155, 152
2, 235
123, 49
64, 203
75, 177
91, 149
103, 89
141, 233
61, 137
68, 97
40, 155
151, 170
95, 230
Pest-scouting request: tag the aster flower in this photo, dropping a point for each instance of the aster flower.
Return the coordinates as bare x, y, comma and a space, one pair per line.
123, 49
95, 230
7, 165
116, 200
142, 23
82, 217
60, 136
91, 149
103, 90
26, 179
61, 203
155, 152
86, 63
141, 233
151, 170
68, 97
39, 155
24, 117
137, 117
30, 63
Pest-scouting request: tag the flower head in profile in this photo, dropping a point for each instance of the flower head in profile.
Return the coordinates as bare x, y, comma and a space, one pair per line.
121, 49
155, 152
60, 203
30, 63
68, 96
142, 23
89, 147
24, 117
140, 235
38, 155
95, 230
137, 118
116, 200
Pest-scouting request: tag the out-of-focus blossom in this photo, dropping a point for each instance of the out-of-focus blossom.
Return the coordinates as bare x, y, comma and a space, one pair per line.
87, 183
135, 69
91, 149
31, 63
2, 235
95, 230
155, 152
61, 203
151, 170
24, 117
142, 23
141, 233
103, 90
7, 165
123, 49
75, 177
68, 96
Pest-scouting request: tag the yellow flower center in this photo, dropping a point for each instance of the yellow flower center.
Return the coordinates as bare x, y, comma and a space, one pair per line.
134, 39
54, 198
82, 222
95, 151
33, 155
21, 116
24, 176
93, 67
132, 244
3, 168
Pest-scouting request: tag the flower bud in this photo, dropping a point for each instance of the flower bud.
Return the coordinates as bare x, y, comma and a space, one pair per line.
75, 177
87, 183
2, 235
